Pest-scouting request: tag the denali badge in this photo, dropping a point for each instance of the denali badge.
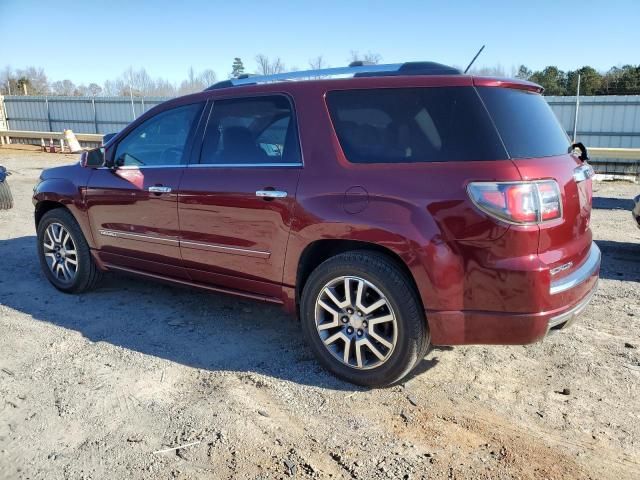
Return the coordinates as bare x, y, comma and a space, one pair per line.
561, 268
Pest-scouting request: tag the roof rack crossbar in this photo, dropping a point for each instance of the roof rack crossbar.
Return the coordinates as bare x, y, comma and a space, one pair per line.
357, 70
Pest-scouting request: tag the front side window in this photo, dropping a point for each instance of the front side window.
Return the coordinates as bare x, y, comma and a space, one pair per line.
160, 140
251, 131
408, 125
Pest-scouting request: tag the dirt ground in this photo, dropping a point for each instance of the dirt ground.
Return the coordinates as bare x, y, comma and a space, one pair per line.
93, 386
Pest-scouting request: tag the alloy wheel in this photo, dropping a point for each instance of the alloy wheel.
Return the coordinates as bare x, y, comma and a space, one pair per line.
60, 253
356, 322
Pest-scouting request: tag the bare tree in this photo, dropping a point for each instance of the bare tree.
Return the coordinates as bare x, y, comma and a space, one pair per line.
192, 84
94, 89
164, 88
495, 71
207, 78
64, 88
367, 58
35, 79
269, 67
318, 63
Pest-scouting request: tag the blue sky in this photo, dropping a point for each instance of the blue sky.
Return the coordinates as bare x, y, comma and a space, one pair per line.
95, 40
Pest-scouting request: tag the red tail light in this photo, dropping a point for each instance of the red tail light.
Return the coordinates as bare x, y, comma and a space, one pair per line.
523, 203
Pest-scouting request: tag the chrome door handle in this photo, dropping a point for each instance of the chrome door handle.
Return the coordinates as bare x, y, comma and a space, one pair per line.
159, 189
271, 193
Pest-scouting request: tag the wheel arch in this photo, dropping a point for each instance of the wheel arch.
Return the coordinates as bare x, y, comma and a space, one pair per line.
44, 206
321, 250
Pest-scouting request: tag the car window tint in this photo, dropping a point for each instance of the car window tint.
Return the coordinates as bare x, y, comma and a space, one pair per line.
525, 122
400, 125
247, 131
160, 140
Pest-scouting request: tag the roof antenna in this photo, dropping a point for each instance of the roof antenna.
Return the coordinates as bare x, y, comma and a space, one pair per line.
474, 59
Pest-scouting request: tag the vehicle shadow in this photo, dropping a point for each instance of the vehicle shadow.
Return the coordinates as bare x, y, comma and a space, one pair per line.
620, 260
199, 329
611, 203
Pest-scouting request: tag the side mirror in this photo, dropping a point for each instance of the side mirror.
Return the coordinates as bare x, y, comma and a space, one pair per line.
92, 158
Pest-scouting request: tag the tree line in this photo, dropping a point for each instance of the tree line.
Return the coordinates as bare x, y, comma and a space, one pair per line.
623, 80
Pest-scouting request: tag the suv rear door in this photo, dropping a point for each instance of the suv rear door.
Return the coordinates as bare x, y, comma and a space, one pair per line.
237, 197
133, 207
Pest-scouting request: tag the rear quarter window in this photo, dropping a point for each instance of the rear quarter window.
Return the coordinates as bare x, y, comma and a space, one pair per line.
408, 125
525, 121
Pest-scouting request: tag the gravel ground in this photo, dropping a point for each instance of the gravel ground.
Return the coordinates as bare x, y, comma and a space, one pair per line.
93, 386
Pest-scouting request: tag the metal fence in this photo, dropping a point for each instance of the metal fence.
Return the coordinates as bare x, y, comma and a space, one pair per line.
604, 121
80, 114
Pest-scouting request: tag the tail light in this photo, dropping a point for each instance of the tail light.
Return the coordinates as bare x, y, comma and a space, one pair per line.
522, 203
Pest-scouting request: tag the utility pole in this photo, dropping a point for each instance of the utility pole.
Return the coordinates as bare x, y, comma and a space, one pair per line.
133, 108
575, 120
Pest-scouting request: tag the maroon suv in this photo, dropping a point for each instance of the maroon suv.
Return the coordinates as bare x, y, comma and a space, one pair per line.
402, 206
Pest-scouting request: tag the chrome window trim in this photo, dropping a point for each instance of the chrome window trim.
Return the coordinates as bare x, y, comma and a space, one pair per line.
242, 165
580, 275
141, 167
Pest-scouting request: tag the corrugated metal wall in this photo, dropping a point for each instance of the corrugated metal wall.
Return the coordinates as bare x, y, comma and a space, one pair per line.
80, 114
605, 121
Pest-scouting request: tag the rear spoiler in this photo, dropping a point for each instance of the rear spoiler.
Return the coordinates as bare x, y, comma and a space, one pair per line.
507, 83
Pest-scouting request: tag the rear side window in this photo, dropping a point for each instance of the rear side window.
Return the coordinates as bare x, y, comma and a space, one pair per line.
525, 121
400, 125
251, 131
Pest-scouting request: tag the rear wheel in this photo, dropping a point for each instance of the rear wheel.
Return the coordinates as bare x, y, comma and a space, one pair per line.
6, 199
363, 319
64, 254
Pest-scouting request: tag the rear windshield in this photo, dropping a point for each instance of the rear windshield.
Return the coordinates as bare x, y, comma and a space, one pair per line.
400, 125
525, 121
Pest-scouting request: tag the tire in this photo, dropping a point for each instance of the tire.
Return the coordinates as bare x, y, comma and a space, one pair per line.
382, 280
6, 199
86, 275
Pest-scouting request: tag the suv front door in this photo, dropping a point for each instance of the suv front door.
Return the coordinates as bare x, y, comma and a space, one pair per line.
236, 203
132, 205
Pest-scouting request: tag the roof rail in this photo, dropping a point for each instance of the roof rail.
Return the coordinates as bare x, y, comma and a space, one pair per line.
355, 69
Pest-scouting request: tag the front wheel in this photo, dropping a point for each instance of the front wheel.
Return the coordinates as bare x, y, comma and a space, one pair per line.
64, 254
363, 318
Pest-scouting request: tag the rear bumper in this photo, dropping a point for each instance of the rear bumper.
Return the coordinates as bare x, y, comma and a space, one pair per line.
579, 275
504, 328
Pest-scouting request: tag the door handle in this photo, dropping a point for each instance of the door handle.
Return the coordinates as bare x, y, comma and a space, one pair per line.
159, 189
271, 194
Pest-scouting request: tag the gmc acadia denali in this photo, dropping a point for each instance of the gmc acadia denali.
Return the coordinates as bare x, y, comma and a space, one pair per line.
389, 207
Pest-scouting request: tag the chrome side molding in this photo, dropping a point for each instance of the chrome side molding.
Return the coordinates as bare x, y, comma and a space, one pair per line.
579, 275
